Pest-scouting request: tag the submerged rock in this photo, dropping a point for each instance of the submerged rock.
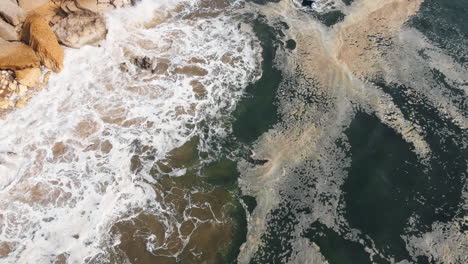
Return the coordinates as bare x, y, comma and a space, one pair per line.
143, 62
29, 77
7, 31
41, 38
80, 29
16, 55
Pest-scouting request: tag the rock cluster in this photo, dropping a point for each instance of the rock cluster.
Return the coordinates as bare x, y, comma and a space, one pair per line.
31, 35
12, 92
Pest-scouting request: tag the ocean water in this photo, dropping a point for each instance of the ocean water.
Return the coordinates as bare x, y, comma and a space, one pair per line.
117, 163
341, 182
243, 138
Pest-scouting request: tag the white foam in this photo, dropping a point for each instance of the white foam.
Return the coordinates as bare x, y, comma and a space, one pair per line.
59, 176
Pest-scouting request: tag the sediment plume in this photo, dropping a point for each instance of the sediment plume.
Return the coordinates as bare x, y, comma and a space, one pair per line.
339, 69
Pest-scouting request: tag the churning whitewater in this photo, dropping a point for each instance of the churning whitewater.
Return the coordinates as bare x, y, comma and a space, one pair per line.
65, 160
247, 131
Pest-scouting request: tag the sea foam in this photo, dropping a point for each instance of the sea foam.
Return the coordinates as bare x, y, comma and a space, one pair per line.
65, 159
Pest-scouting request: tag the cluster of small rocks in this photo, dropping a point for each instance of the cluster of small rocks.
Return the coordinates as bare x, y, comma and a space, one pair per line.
31, 32
12, 93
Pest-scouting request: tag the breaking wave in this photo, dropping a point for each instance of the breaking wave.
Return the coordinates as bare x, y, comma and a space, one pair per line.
168, 70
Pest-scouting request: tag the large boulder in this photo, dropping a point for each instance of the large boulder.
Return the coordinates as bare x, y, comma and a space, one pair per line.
7, 31
80, 29
47, 10
29, 5
16, 55
11, 12
29, 76
38, 34
88, 5
97, 6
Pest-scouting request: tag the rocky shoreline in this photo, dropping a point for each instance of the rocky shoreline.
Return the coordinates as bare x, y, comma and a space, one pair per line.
33, 35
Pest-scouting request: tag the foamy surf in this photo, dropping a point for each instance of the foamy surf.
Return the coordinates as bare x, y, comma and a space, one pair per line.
65, 160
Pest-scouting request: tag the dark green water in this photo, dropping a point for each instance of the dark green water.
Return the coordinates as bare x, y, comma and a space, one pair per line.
445, 23
254, 115
334, 247
387, 185
257, 112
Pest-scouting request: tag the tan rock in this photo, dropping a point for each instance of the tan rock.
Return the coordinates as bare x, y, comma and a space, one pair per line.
47, 10
80, 29
105, 7
22, 90
11, 12
46, 78
69, 7
12, 86
7, 31
21, 103
15, 55
29, 76
97, 6
4, 104
41, 38
88, 5
29, 5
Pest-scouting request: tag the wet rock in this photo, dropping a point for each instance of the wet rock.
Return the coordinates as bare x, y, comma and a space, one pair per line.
307, 3
69, 7
143, 62
4, 104
96, 6
41, 38
28, 5
88, 5
12, 86
48, 11
123, 67
7, 31
21, 103
15, 55
80, 29
29, 77
46, 78
11, 12
22, 89
123, 3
